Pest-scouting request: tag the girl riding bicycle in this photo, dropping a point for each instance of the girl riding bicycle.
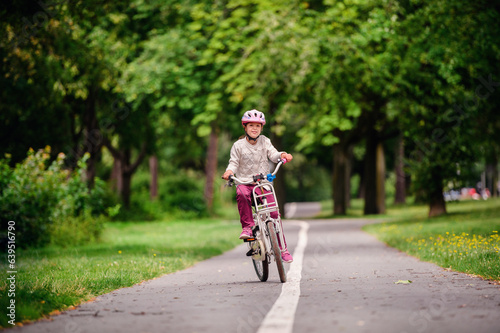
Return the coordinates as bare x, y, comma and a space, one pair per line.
250, 156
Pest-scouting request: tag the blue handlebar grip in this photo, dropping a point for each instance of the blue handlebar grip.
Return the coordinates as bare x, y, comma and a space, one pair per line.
270, 177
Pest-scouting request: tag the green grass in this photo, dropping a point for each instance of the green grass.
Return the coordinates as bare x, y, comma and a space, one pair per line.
53, 279
466, 239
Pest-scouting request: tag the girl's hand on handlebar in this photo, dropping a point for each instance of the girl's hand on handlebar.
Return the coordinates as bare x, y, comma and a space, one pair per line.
227, 174
287, 157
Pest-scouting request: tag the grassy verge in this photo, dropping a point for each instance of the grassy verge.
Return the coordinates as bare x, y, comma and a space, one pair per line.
465, 240
53, 278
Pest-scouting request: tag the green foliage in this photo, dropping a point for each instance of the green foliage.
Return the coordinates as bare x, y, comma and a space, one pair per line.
306, 180
164, 74
352, 71
441, 101
180, 195
49, 203
76, 230
184, 193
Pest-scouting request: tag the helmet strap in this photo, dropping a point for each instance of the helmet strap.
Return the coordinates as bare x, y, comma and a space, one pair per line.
252, 139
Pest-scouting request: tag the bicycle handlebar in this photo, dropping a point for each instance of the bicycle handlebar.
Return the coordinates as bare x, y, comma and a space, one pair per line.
269, 177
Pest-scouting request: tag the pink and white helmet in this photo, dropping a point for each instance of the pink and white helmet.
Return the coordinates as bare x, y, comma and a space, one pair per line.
253, 116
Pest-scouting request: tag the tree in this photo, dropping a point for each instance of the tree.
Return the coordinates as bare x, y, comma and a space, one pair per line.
167, 80
436, 75
214, 72
270, 61
351, 88
58, 59
36, 109
400, 193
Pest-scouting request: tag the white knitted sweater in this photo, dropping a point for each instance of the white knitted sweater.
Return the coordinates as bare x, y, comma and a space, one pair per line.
248, 160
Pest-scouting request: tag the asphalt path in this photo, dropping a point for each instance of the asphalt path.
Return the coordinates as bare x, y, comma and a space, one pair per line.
295, 210
342, 280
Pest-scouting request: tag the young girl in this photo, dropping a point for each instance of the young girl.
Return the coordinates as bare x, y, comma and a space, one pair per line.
250, 156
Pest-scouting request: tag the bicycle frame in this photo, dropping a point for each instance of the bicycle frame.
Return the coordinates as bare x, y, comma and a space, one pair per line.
262, 212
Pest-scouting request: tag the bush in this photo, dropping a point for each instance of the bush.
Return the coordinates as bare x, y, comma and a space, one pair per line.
183, 193
76, 230
49, 204
180, 194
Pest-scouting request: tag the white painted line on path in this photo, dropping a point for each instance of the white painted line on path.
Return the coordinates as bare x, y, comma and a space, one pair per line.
281, 316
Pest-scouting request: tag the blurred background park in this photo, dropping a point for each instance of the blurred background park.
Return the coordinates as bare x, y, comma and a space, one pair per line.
127, 109
117, 118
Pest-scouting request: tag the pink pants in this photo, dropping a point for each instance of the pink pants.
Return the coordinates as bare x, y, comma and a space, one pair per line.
244, 200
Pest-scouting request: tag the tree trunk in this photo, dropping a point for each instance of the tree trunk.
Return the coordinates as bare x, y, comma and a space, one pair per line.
153, 169
400, 197
93, 140
211, 167
126, 189
348, 172
126, 167
126, 178
492, 174
340, 179
91, 171
116, 176
362, 186
370, 176
380, 179
437, 205
374, 176
496, 185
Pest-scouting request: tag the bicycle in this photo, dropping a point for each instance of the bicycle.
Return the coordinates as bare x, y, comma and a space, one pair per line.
266, 230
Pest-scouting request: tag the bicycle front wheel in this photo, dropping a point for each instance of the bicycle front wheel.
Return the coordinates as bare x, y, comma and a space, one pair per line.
276, 251
261, 268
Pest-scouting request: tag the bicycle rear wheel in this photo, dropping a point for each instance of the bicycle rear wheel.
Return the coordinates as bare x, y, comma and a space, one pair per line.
276, 251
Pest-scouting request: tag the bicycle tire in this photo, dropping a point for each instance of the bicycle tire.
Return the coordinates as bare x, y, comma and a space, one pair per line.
261, 268
276, 251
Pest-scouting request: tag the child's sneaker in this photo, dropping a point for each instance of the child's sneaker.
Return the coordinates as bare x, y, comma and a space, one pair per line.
246, 233
287, 257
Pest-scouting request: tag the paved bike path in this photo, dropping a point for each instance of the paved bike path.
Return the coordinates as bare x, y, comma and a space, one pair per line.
211, 296
347, 285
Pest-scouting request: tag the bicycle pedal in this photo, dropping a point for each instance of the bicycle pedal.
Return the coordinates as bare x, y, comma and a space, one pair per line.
249, 240
250, 253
